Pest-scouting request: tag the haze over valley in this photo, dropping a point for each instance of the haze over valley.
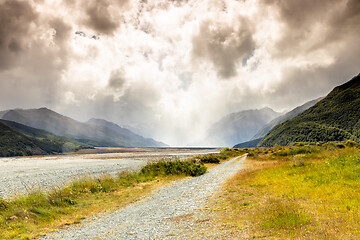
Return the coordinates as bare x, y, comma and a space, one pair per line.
170, 70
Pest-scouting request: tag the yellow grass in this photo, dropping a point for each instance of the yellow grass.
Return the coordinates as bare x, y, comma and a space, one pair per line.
86, 206
304, 196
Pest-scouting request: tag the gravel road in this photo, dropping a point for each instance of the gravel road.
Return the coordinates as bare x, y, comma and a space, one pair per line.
159, 216
18, 174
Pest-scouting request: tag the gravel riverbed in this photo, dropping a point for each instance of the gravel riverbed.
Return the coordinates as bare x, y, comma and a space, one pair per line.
21, 174
161, 215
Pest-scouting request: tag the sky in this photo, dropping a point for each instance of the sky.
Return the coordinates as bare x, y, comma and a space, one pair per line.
171, 68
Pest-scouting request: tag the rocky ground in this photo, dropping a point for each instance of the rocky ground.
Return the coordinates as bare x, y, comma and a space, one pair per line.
172, 212
21, 174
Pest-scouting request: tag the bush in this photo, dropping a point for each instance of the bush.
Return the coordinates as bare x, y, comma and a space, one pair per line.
292, 152
210, 158
164, 168
217, 157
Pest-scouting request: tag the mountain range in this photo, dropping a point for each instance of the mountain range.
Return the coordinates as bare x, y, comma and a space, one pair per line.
255, 140
287, 116
43, 131
239, 126
333, 118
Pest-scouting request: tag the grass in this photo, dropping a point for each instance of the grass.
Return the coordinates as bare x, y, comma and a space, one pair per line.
302, 192
39, 212
216, 158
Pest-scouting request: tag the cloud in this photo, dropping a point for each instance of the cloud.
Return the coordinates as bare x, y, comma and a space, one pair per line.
223, 44
34, 52
16, 18
99, 18
103, 17
160, 65
314, 25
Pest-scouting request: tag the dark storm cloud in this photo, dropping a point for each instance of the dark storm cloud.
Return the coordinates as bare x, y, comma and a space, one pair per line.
311, 25
347, 20
223, 45
117, 80
15, 20
100, 18
62, 30
33, 54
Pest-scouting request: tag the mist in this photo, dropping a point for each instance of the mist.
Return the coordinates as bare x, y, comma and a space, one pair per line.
169, 69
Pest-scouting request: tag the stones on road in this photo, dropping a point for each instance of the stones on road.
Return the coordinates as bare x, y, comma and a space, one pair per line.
164, 215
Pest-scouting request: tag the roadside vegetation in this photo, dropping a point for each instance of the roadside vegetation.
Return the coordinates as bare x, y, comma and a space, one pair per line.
302, 192
216, 158
38, 212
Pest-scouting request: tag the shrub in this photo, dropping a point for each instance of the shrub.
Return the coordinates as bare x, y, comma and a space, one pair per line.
164, 168
217, 157
210, 158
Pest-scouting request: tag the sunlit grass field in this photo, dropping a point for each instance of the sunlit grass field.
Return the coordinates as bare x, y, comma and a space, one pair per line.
302, 192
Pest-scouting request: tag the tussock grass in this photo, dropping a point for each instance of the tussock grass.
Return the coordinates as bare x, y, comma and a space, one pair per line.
304, 194
38, 212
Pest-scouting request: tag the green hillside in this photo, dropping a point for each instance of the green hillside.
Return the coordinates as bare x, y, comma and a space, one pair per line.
335, 118
248, 144
20, 140
49, 142
16, 144
287, 116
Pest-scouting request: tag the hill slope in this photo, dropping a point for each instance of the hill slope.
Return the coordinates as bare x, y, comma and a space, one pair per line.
239, 127
248, 144
334, 118
50, 142
287, 116
13, 143
94, 135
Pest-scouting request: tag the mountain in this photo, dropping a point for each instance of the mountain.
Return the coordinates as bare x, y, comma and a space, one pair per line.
136, 140
248, 144
2, 113
91, 134
13, 143
238, 127
334, 118
287, 116
59, 144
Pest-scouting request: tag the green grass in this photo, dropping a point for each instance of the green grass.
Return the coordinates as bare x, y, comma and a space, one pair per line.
280, 215
216, 158
38, 212
303, 192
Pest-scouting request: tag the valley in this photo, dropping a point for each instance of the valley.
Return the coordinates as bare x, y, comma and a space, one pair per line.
179, 119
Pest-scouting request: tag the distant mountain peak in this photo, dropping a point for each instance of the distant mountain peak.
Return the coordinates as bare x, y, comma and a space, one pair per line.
287, 116
238, 126
45, 109
98, 132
